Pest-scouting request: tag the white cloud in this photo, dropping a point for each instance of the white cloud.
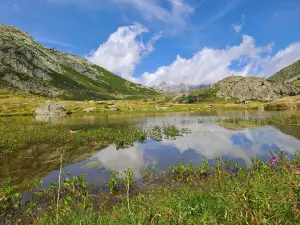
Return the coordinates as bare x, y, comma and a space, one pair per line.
206, 66
239, 25
122, 51
211, 65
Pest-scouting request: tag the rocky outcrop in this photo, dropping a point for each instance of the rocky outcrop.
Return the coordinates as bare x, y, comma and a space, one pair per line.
28, 86
50, 108
246, 88
241, 89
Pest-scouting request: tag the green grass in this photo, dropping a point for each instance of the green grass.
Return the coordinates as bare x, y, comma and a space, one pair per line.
77, 87
122, 86
208, 94
227, 193
85, 81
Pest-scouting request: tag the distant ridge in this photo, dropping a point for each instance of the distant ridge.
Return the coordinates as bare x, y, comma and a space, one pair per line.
175, 89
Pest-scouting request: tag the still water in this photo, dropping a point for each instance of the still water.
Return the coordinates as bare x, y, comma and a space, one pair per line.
207, 140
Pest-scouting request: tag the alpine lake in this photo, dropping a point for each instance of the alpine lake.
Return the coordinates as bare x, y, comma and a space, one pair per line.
204, 138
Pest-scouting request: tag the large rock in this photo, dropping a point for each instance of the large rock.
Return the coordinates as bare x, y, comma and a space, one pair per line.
50, 108
242, 89
246, 88
113, 107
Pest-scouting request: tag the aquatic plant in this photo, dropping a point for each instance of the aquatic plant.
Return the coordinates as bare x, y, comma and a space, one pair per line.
17, 136
114, 182
272, 120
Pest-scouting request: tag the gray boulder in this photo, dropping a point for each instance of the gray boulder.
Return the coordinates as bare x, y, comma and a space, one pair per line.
113, 107
50, 108
247, 88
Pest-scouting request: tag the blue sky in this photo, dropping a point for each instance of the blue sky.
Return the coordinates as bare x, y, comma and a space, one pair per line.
149, 41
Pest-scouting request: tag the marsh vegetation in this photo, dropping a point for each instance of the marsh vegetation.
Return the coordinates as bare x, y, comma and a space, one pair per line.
227, 193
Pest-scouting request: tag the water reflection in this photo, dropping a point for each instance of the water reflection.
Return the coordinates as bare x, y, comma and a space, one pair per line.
207, 141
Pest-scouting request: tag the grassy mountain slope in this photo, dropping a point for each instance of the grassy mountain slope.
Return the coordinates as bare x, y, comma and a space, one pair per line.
289, 74
28, 66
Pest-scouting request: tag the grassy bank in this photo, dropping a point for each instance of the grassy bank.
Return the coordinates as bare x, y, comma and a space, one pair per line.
13, 104
227, 193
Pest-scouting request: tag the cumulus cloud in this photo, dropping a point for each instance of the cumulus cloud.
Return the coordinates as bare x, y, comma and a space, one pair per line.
211, 65
206, 66
123, 51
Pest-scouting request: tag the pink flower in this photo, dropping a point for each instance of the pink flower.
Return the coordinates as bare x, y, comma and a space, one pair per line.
274, 159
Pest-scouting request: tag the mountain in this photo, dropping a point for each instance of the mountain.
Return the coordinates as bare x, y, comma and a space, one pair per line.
28, 66
175, 89
290, 74
241, 88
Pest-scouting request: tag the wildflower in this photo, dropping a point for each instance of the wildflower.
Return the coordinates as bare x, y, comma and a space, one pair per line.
274, 159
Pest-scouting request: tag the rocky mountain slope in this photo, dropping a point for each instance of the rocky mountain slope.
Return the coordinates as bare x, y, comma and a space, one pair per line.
28, 66
242, 88
289, 74
175, 89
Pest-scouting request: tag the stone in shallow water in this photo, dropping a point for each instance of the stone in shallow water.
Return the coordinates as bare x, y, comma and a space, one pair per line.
50, 108
113, 107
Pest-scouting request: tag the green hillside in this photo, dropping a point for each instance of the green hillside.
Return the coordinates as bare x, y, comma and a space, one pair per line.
28, 66
290, 74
